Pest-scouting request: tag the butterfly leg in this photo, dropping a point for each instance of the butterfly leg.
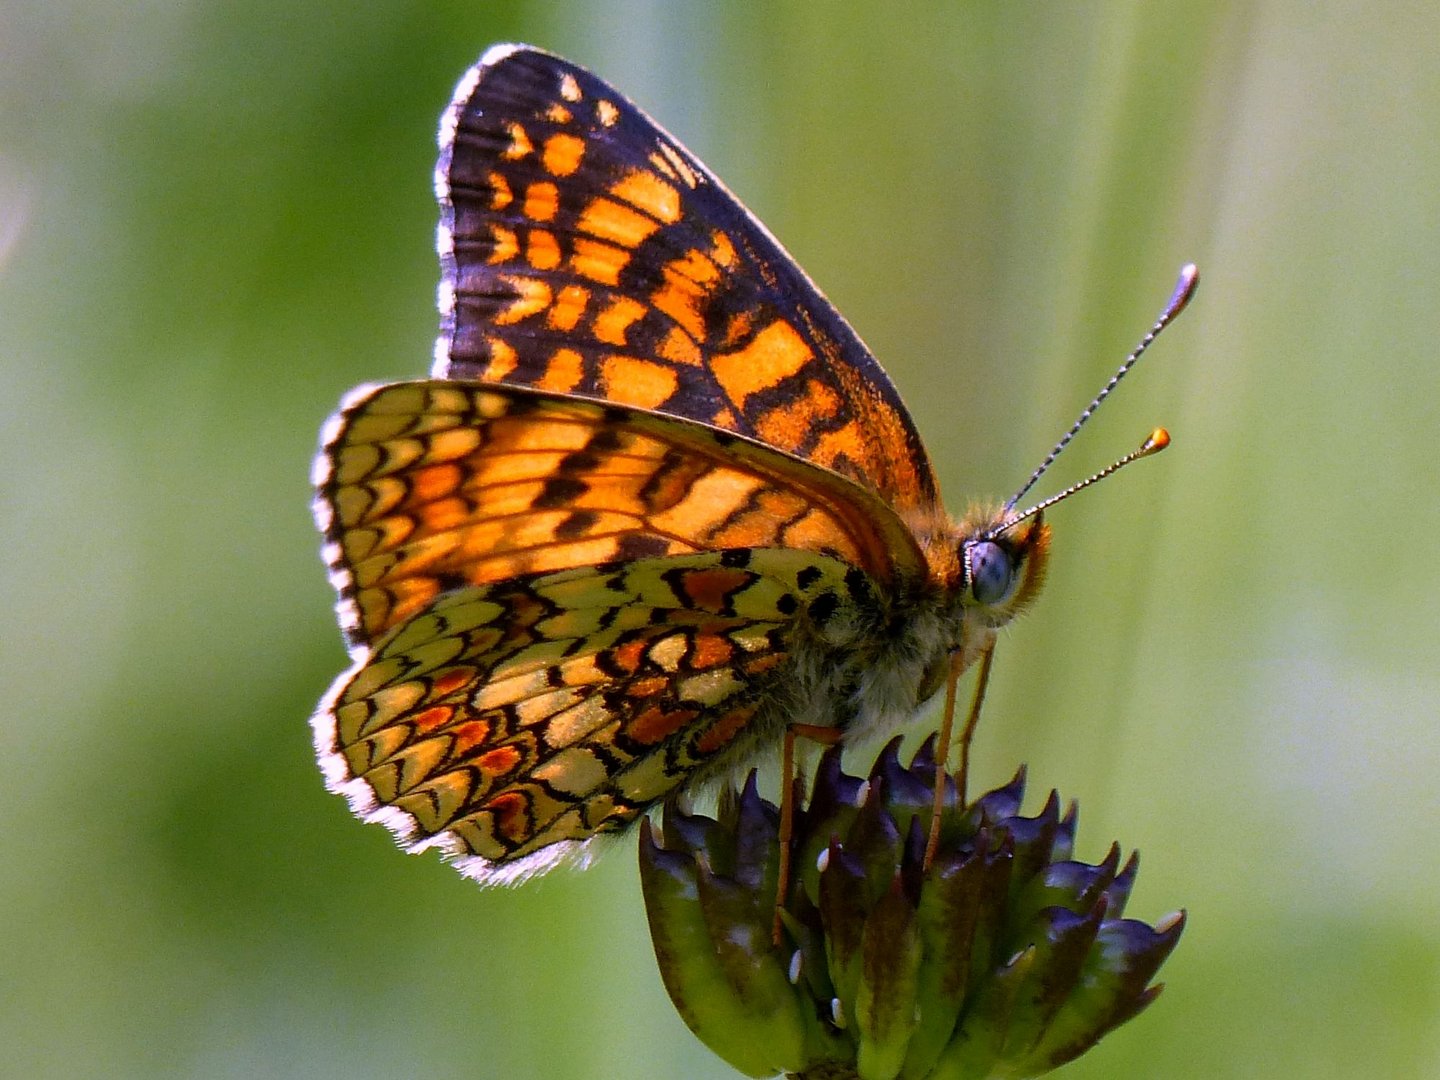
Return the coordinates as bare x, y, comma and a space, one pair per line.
825, 736
942, 748
982, 680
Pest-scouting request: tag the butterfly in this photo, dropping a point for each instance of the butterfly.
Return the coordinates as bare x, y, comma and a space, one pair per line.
656, 507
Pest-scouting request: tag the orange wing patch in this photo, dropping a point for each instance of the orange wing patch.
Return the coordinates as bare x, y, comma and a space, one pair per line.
563, 153
429, 486
643, 382
773, 354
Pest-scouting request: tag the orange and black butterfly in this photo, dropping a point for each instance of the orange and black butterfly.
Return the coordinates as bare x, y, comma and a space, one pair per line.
656, 505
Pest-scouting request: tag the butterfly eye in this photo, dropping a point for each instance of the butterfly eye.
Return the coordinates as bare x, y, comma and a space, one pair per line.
992, 574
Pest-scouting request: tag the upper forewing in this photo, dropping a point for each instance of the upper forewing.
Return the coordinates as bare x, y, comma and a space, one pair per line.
585, 251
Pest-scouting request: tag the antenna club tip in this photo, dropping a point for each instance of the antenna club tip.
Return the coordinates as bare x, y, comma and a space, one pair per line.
1184, 289
1156, 441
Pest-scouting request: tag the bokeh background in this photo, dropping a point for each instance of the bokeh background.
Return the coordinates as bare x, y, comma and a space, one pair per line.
217, 217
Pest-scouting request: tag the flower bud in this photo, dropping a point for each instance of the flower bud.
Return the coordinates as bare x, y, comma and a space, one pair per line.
1003, 957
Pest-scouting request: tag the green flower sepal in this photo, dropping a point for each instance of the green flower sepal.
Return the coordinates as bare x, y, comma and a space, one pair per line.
1003, 958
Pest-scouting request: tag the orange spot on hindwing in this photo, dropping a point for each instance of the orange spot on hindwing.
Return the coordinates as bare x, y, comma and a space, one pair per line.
711, 589
655, 724
724, 730
500, 761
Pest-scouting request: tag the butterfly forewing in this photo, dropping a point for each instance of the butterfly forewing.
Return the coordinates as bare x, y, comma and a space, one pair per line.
586, 252
428, 486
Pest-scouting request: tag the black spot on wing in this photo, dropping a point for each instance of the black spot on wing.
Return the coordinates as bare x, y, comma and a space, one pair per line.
576, 524
641, 546
558, 491
823, 607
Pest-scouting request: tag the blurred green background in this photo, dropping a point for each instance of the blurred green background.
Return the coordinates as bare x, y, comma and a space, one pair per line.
215, 218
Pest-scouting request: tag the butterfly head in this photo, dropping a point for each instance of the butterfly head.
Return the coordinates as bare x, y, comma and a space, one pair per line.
1003, 566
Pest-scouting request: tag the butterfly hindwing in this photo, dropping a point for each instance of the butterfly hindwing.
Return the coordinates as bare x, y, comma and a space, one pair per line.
425, 487
508, 723
585, 251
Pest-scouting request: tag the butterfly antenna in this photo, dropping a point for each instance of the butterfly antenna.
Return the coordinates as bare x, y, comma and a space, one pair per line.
1156, 441
1184, 290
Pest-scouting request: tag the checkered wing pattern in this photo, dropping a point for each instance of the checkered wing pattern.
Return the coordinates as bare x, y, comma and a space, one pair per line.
509, 723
